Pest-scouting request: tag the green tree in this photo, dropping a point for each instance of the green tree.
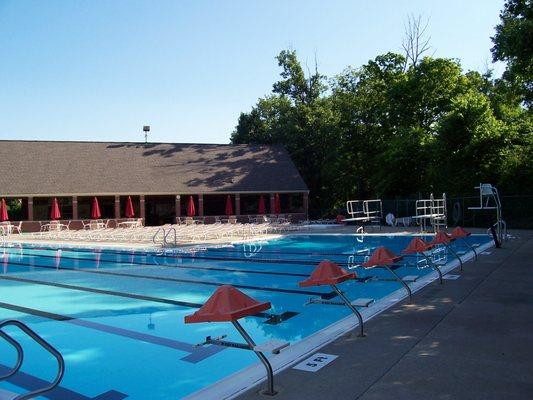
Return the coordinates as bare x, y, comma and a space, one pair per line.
298, 116
386, 130
513, 44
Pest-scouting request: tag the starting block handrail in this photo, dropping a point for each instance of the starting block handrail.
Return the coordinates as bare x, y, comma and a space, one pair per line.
344, 302
273, 346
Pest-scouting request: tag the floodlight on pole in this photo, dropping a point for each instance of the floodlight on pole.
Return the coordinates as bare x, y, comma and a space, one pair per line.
146, 129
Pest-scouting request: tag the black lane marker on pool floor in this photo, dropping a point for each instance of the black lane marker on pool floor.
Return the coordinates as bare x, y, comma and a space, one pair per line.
247, 271
196, 353
31, 383
173, 254
187, 255
271, 318
176, 280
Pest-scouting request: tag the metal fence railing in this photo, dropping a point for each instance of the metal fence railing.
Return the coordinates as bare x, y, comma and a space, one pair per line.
517, 211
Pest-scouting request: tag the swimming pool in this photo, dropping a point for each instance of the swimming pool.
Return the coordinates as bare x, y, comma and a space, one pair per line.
117, 315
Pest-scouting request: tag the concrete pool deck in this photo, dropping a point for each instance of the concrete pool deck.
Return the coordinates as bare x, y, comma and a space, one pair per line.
471, 338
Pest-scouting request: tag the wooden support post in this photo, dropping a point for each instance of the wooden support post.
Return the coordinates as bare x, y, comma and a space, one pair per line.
142, 211
30, 208
178, 206
74, 207
238, 204
201, 205
117, 207
306, 205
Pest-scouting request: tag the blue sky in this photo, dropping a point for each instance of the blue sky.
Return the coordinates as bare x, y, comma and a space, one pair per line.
99, 70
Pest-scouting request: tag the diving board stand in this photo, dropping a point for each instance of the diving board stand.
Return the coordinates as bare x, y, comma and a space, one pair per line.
431, 214
364, 212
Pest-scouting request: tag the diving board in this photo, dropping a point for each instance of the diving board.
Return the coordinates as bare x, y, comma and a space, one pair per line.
431, 213
364, 212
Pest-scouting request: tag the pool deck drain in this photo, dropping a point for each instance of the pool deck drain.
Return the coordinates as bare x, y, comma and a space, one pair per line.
471, 338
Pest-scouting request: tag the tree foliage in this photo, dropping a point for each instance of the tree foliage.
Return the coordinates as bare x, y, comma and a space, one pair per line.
513, 44
395, 128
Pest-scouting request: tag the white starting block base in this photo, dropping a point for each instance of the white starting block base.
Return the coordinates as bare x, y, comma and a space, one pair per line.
362, 302
451, 277
273, 346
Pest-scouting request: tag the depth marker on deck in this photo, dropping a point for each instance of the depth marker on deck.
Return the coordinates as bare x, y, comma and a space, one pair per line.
315, 362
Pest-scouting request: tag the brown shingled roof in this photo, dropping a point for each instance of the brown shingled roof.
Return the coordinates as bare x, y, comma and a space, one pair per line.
66, 168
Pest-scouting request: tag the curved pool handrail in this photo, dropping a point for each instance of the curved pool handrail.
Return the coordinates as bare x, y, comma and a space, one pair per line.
166, 242
45, 345
161, 229
20, 355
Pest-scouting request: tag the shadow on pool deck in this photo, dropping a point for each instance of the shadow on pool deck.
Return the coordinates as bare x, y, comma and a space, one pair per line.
471, 338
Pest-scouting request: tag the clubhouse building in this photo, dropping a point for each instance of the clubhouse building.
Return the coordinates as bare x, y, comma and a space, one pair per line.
160, 178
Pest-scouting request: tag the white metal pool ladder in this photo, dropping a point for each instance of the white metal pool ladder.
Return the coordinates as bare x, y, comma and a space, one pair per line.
20, 357
161, 232
173, 235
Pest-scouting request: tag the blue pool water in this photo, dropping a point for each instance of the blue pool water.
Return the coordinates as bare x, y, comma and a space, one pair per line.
117, 315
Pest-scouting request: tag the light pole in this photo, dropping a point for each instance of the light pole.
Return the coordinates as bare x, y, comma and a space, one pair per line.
146, 129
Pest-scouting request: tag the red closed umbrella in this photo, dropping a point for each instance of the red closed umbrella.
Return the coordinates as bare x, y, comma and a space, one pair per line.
95, 209
262, 207
54, 212
191, 209
3, 211
277, 204
229, 206
130, 212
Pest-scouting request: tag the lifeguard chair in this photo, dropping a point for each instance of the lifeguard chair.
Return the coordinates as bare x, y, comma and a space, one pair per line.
489, 199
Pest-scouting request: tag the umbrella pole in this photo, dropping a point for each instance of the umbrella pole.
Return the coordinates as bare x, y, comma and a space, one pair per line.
405, 285
351, 307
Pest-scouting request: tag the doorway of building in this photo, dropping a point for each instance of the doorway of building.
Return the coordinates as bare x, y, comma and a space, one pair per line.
160, 210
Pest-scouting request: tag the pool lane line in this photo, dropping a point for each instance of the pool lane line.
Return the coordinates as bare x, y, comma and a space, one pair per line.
30, 382
192, 257
270, 318
195, 355
178, 266
176, 280
248, 271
